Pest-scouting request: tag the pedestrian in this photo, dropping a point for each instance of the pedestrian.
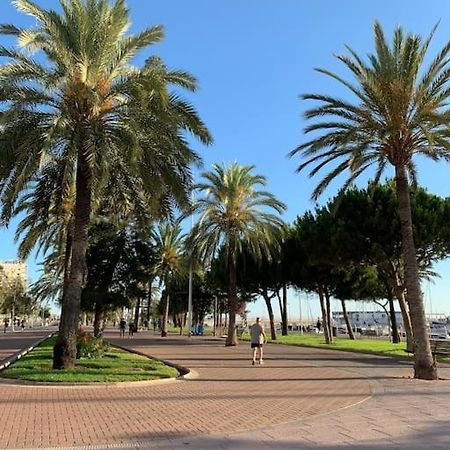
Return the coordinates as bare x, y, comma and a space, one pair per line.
6, 325
122, 326
22, 324
131, 329
257, 340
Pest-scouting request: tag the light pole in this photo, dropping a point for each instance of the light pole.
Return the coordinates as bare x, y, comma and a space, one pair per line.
300, 313
189, 321
14, 310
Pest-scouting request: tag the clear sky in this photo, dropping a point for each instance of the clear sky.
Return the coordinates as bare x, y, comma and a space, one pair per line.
252, 59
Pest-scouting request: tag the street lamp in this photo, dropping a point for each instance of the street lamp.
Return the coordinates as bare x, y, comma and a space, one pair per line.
189, 321
300, 313
14, 308
189, 324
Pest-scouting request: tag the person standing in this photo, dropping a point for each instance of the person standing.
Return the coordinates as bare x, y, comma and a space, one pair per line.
257, 340
122, 326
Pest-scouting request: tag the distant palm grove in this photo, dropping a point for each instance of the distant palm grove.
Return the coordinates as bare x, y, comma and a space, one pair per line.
96, 161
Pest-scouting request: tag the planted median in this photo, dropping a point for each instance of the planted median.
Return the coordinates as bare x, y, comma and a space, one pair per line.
94, 365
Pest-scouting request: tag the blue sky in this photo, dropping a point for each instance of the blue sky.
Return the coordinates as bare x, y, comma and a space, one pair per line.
252, 59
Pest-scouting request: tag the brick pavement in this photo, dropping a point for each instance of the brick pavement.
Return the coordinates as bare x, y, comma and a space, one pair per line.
299, 399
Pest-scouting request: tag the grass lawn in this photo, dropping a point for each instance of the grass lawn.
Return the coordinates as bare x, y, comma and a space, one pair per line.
116, 365
373, 346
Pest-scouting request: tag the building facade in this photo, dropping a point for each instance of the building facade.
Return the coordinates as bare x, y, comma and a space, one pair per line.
12, 272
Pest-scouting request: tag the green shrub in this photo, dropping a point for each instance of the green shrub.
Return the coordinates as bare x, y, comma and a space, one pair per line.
89, 346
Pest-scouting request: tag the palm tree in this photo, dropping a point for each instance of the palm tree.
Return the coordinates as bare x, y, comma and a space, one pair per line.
233, 214
398, 111
83, 107
170, 261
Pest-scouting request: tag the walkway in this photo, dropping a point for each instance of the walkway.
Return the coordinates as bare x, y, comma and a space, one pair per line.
301, 398
12, 343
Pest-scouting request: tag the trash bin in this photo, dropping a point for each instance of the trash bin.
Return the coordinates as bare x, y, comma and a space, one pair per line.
334, 331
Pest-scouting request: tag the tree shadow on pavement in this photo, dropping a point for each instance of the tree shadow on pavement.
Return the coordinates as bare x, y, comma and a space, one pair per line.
434, 437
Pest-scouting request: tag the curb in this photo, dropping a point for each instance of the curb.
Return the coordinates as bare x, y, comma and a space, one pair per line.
20, 354
186, 373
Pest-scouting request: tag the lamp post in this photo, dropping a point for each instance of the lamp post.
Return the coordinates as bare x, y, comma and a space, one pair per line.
300, 313
189, 321
14, 310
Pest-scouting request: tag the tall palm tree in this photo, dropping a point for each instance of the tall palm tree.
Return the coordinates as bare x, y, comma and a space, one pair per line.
84, 107
234, 214
170, 261
398, 111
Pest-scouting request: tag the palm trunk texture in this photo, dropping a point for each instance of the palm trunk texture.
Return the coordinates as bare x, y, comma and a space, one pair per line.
65, 349
424, 366
165, 315
232, 301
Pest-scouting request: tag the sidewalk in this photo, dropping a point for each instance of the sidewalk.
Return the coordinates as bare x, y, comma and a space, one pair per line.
12, 343
301, 398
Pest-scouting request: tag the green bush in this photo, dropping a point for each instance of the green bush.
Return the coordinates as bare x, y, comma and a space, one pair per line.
89, 346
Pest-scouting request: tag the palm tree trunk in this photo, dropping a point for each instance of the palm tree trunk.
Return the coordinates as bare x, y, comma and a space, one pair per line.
67, 260
326, 331
165, 314
347, 321
65, 349
268, 301
149, 301
424, 366
232, 300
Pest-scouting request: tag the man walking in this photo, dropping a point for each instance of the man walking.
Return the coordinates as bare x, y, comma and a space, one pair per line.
257, 340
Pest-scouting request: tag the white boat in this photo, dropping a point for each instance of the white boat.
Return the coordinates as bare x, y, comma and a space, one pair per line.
439, 330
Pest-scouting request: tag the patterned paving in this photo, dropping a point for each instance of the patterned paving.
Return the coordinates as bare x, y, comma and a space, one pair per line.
228, 396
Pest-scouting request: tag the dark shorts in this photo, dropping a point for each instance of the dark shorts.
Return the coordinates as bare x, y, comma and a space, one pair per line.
255, 345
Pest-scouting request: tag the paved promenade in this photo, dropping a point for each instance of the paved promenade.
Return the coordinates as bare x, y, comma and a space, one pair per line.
300, 398
12, 343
